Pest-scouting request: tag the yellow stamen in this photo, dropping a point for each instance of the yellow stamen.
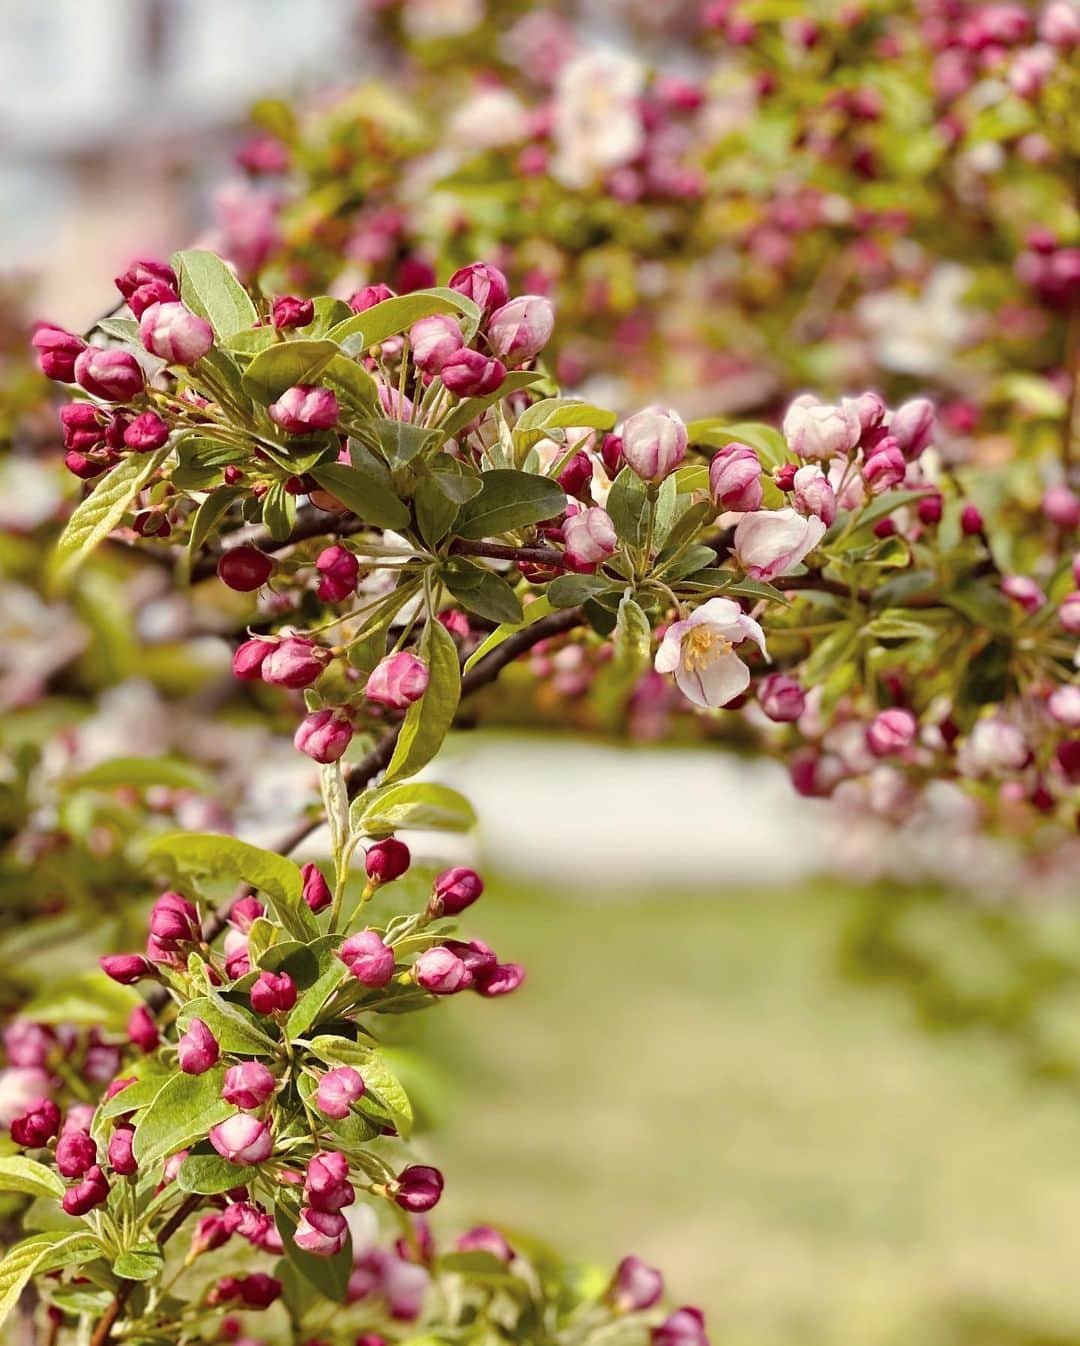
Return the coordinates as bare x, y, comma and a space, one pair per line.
701, 645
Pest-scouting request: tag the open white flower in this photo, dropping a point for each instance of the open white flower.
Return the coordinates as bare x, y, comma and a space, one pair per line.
597, 125
700, 651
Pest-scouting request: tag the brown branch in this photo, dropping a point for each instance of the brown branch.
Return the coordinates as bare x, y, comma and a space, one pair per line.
541, 556
310, 522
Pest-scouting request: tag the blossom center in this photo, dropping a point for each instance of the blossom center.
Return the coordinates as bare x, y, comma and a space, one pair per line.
701, 645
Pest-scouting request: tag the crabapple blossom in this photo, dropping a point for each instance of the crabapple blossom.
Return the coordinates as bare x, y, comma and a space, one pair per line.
338, 1090
386, 860
92, 1191
814, 494
248, 1085
441, 972
242, 1139
418, 1188
316, 891
289, 311
891, 731
654, 443
273, 993
303, 409
484, 284
244, 568
369, 960
397, 681
521, 328
435, 340
815, 430
771, 543
113, 375
589, 537
197, 1049
339, 573
321, 1233
781, 698
735, 478
455, 889
700, 651
175, 334
469, 373
57, 351
324, 734
636, 1286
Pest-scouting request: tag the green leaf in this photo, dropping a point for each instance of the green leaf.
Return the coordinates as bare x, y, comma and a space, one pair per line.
360, 492
120, 329
378, 1078
135, 1098
557, 413
396, 315
209, 1174
540, 607
329, 1275
402, 442
887, 504
286, 364
569, 590
185, 1109
279, 512
274, 875
481, 590
213, 508
236, 1029
415, 805
38, 1254
19, 1174
142, 772
983, 604
428, 721
311, 1002
210, 289
141, 1263
94, 518
87, 998
837, 646
352, 381
509, 500
769, 443
633, 638
627, 504
435, 510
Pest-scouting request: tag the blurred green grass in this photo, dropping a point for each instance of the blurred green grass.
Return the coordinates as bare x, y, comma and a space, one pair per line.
689, 1077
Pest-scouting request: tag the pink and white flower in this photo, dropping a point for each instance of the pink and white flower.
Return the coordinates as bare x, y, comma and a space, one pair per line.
772, 542
700, 651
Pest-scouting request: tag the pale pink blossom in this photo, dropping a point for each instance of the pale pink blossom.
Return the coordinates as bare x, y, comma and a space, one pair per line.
700, 651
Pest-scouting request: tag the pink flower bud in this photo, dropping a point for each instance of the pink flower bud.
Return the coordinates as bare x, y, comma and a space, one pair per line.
1064, 706
146, 271
612, 455
685, 1327
485, 285
735, 479
91, 1192
83, 467
126, 968
57, 352
83, 425
1069, 613
244, 914
303, 409
590, 538
502, 979
885, 467
781, 698
146, 296
327, 1186
37, 1125
930, 508
814, 494
784, 476
147, 431
455, 889
891, 731
324, 735
469, 373
636, 1286
441, 972
338, 1090
418, 1188
397, 681
1062, 507
273, 993
771, 543
258, 1290
369, 960
339, 572
971, 521
1060, 25
316, 890
242, 1139
289, 311
386, 860
654, 443
521, 328
293, 662
122, 1151
210, 1234
248, 1085
818, 432
576, 477
244, 568
435, 340
174, 921
198, 1049
76, 1153
28, 1043
484, 1239
142, 1030
321, 1233
912, 426
112, 375
1023, 590
369, 296
248, 659
174, 334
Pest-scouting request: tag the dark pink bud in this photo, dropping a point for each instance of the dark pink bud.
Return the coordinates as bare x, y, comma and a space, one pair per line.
244, 568
455, 622
76, 1153
293, 662
929, 508
127, 968
146, 431
84, 1196
273, 993
685, 1327
327, 1186
83, 426
57, 352
37, 1125
248, 660
476, 955
434, 341
316, 890
369, 960
784, 476
891, 731
971, 521
576, 476
612, 455
735, 479
83, 467
324, 735
339, 573
289, 311
386, 860
369, 296
912, 426
248, 1085
502, 979
338, 1090
174, 921
636, 1286
781, 698
142, 1030
418, 1188
303, 409
485, 285
210, 1234
244, 914
117, 429
441, 972
198, 1049
522, 328
321, 1233
28, 1044
484, 1239
121, 1151
113, 375
455, 889
885, 467
146, 296
175, 334
258, 1290
470, 373
144, 271
397, 680
242, 1139
1023, 590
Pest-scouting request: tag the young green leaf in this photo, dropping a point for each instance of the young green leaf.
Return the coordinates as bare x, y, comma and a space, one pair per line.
481, 590
428, 721
19, 1174
363, 494
507, 500
184, 1111
210, 289
416, 804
